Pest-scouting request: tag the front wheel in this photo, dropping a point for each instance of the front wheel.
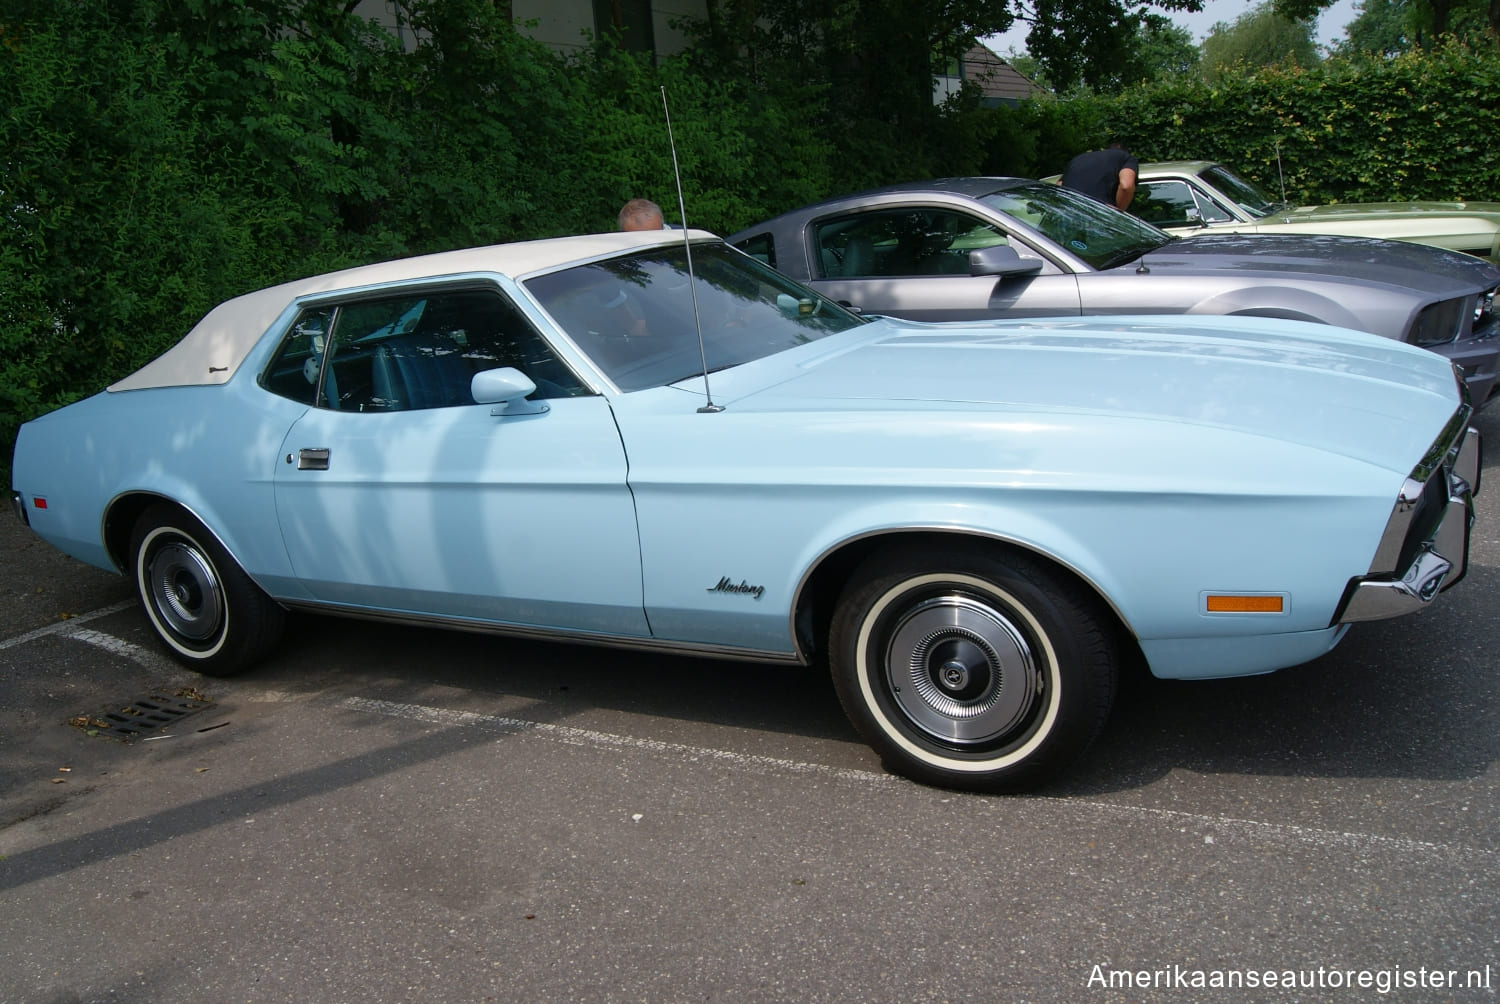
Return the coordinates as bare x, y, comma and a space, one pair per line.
200, 603
988, 672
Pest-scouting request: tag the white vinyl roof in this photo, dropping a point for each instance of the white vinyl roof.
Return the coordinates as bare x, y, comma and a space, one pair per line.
212, 351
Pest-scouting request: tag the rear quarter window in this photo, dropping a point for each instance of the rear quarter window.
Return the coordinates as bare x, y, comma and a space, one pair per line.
761, 247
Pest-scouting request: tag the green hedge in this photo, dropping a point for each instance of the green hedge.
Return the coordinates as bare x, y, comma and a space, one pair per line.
1420, 126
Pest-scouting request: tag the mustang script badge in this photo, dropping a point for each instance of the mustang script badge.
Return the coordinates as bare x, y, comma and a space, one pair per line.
728, 585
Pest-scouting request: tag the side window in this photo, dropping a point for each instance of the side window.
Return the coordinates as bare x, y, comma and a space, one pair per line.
1165, 203
1211, 210
761, 247
902, 242
297, 369
412, 351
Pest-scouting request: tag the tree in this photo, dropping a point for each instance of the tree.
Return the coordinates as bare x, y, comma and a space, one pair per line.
872, 61
1424, 21
1164, 49
1383, 27
1259, 37
1098, 43
1159, 49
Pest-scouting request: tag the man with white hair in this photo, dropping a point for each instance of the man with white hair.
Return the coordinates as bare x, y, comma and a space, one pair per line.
641, 214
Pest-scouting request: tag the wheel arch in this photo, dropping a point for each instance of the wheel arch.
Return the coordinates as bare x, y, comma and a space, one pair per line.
1282, 304
124, 510
818, 592
1276, 314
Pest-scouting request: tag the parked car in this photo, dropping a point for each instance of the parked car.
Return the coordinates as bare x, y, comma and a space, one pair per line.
965, 248
603, 440
1189, 196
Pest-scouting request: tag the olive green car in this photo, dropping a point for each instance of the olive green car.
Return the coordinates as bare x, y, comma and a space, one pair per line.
1191, 196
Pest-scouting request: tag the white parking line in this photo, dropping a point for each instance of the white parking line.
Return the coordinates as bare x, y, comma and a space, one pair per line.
1227, 826
66, 626
589, 737
129, 650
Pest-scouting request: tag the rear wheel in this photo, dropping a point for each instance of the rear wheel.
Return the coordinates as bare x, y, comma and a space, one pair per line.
989, 672
200, 603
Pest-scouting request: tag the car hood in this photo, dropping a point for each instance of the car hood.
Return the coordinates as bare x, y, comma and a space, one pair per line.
1342, 392
1429, 270
1489, 211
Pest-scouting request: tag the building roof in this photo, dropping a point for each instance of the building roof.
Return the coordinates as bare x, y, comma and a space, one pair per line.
998, 80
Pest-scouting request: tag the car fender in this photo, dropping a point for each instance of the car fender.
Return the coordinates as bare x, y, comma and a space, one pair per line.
1282, 302
1114, 547
221, 477
993, 523
256, 549
703, 583
706, 578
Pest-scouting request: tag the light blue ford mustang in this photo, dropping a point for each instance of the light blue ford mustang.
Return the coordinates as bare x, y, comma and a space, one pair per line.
653, 440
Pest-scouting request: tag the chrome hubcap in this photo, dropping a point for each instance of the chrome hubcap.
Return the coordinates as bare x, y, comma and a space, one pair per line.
187, 592
960, 670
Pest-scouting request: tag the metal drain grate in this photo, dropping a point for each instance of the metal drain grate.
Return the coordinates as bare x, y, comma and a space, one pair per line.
146, 715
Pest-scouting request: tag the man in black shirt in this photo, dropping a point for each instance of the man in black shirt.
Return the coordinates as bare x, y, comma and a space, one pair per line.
1107, 175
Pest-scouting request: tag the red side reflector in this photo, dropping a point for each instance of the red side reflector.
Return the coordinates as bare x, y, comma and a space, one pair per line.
38, 502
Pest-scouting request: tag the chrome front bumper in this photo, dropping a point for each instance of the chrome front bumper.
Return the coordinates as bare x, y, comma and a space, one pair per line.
1425, 547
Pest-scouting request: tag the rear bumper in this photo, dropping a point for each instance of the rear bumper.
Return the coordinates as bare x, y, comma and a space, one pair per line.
1425, 547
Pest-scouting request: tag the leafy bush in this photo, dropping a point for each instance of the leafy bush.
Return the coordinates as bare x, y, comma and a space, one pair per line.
1355, 129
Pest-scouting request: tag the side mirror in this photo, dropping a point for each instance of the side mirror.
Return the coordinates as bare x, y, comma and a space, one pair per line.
506, 388
792, 306
1002, 260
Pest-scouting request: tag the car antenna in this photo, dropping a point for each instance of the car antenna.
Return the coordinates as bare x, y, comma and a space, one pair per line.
687, 245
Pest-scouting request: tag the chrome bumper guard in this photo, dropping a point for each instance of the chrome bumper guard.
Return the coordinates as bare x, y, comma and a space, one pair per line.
18, 503
1425, 547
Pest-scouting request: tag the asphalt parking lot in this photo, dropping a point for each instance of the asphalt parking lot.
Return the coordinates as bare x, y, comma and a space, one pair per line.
394, 814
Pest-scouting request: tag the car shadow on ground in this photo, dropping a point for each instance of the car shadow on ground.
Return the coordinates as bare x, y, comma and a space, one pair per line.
1395, 699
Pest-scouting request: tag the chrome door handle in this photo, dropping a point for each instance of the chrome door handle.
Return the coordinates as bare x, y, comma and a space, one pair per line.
311, 459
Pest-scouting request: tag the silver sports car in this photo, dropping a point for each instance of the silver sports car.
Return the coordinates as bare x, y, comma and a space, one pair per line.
967, 248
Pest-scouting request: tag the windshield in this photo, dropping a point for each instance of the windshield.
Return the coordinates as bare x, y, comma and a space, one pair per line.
1246, 194
1101, 235
634, 315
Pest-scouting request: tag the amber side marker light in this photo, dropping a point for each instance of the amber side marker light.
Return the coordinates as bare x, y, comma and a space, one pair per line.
1245, 604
